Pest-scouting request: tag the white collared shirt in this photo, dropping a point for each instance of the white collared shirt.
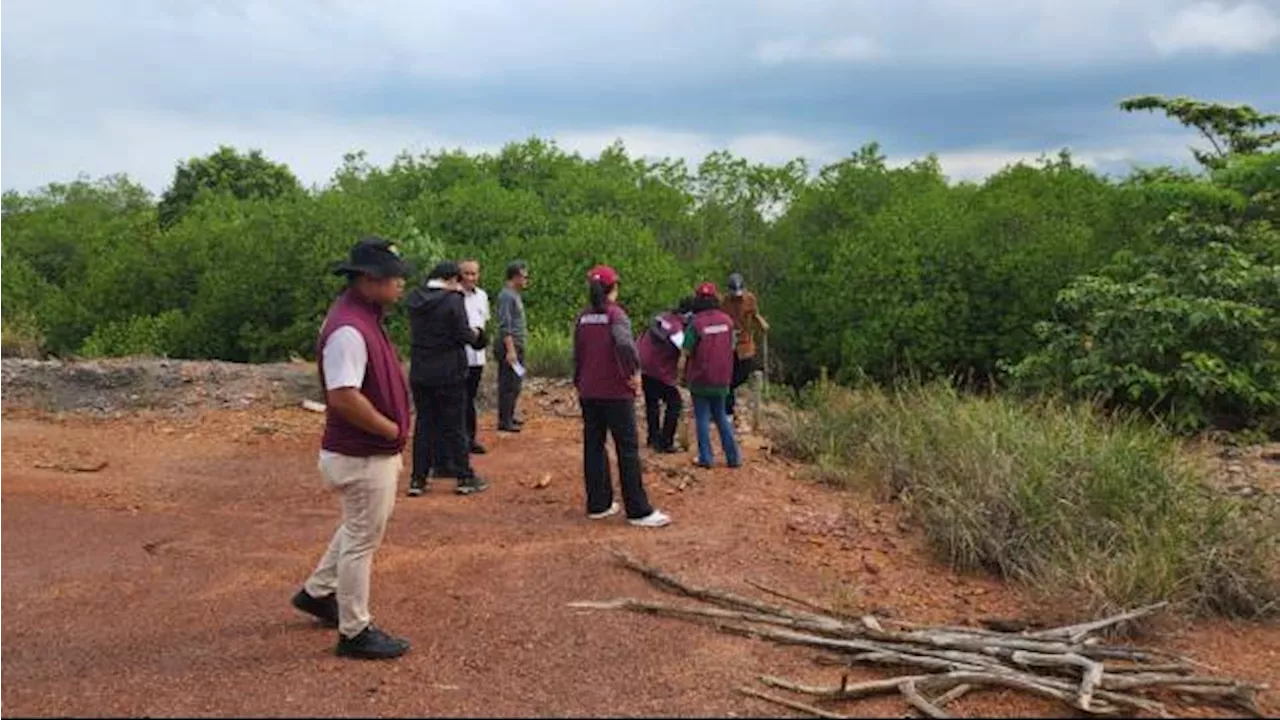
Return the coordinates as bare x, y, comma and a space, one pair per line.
477, 302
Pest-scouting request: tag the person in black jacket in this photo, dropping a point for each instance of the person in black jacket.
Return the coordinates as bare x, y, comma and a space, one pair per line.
439, 331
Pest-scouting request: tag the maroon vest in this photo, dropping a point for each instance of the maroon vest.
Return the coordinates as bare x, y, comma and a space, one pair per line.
600, 372
384, 382
711, 364
659, 358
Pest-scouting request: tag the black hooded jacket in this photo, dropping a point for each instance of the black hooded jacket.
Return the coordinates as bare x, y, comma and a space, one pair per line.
438, 331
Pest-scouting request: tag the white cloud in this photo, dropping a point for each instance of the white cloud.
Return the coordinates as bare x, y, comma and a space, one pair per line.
1245, 28
146, 147
849, 48
978, 163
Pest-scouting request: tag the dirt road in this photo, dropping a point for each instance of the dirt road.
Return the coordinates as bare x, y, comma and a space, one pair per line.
159, 584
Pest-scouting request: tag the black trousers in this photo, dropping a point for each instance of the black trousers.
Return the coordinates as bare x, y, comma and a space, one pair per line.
473, 390
662, 429
509, 385
616, 418
742, 369
440, 440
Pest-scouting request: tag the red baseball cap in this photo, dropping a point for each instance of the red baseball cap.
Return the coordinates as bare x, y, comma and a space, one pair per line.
707, 289
603, 274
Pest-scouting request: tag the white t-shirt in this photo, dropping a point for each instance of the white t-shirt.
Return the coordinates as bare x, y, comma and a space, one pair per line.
345, 359
478, 316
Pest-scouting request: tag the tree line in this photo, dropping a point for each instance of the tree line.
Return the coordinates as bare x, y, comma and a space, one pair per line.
1158, 291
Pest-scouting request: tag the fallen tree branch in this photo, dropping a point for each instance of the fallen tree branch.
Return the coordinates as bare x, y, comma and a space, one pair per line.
1068, 664
793, 704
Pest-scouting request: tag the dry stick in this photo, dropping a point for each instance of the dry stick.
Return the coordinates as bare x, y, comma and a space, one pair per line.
1129, 681
918, 701
793, 704
658, 608
844, 691
799, 600
1075, 633
952, 695
1089, 680
1054, 687
1019, 682
1176, 668
719, 597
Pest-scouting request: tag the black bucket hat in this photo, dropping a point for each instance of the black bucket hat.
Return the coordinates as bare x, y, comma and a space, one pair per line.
375, 257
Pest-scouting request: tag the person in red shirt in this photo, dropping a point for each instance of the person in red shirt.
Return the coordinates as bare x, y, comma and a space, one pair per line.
709, 342
606, 372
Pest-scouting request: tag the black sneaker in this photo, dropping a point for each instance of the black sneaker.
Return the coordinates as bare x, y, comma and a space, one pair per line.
478, 449
324, 609
471, 485
418, 486
509, 428
667, 450
371, 644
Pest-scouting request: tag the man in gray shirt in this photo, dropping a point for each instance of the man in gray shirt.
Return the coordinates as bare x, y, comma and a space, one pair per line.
512, 334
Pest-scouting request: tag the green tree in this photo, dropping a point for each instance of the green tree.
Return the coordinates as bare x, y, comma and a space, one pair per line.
246, 176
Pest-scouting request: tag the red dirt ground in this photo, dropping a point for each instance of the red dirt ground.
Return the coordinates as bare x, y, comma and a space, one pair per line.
160, 584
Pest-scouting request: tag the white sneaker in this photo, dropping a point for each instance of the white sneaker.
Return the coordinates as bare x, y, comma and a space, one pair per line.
614, 509
655, 519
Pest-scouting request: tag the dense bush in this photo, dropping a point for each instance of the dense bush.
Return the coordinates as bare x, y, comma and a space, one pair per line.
870, 270
1189, 327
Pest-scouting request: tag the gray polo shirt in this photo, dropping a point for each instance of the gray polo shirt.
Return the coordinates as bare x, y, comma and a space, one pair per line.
511, 317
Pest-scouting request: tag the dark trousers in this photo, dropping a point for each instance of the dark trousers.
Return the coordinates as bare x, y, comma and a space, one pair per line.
509, 385
440, 441
742, 369
473, 391
616, 418
657, 393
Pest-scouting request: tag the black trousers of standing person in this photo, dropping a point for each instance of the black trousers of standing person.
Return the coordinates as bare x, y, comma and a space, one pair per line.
473, 391
617, 418
440, 441
742, 369
509, 385
662, 428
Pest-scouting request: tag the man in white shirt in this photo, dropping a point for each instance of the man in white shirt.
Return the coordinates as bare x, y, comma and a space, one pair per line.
477, 302
366, 428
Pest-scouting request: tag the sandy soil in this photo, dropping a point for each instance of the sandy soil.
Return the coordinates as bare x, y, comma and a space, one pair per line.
159, 583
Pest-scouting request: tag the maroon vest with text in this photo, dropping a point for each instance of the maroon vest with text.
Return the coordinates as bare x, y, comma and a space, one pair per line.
600, 372
711, 364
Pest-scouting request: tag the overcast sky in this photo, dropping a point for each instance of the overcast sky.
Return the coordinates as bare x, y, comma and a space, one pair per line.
105, 86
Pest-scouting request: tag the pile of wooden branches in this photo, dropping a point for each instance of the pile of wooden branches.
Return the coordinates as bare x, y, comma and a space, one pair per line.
1071, 664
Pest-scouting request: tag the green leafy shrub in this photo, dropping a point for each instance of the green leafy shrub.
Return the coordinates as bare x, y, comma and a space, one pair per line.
149, 335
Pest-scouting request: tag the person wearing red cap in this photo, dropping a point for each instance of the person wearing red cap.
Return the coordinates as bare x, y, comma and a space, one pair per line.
709, 342
606, 372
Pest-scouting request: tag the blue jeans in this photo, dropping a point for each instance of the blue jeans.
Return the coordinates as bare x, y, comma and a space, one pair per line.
705, 409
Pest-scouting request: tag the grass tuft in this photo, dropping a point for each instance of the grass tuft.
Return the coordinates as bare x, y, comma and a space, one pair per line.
1049, 494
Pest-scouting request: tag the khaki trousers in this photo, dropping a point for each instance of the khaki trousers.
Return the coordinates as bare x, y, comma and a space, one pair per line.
366, 487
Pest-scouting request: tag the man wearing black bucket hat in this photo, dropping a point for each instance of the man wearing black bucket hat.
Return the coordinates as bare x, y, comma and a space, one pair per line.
366, 427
